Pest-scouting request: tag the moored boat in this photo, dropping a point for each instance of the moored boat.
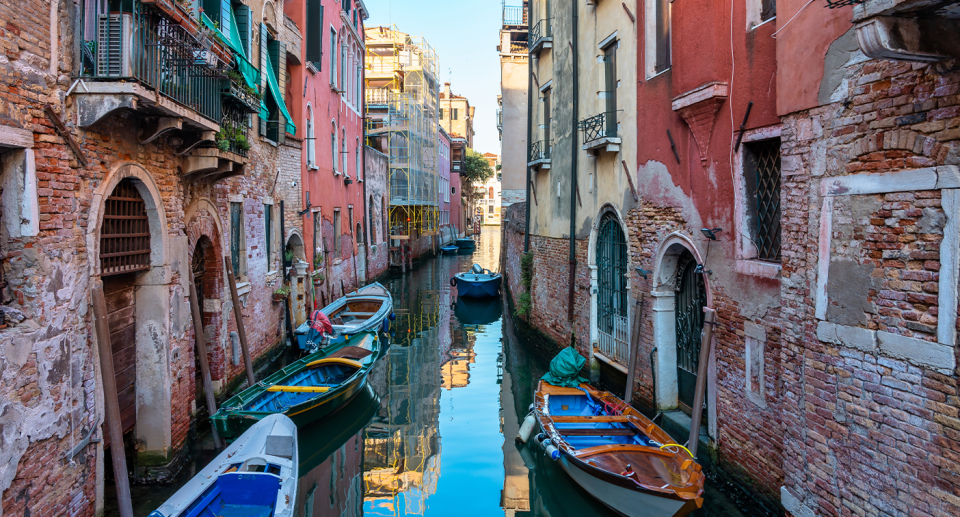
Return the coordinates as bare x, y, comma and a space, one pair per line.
477, 283
449, 250
615, 453
465, 243
255, 476
305, 390
364, 309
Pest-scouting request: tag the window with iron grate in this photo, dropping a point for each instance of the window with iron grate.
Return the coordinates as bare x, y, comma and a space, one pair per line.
761, 174
125, 234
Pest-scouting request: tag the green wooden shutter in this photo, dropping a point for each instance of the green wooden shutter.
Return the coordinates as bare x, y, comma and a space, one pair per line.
278, 58
264, 37
242, 13
224, 17
314, 31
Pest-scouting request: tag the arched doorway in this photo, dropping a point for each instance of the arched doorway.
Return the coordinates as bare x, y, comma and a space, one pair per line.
198, 266
298, 277
124, 252
691, 298
611, 261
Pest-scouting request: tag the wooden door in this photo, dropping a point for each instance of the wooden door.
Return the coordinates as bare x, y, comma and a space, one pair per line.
121, 316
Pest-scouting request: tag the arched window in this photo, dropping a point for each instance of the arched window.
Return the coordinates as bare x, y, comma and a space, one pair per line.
343, 151
333, 150
359, 165
311, 140
359, 233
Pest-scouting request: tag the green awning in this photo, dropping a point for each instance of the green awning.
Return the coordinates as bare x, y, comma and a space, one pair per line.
249, 72
274, 88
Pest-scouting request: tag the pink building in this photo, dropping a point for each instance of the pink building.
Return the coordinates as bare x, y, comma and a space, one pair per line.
330, 104
447, 227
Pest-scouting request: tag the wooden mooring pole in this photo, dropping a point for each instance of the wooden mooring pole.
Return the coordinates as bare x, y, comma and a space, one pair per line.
110, 402
706, 341
238, 313
634, 349
201, 344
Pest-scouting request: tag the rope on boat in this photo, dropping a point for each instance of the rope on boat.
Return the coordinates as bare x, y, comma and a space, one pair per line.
678, 445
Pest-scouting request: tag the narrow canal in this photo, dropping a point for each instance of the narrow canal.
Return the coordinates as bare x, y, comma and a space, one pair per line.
433, 434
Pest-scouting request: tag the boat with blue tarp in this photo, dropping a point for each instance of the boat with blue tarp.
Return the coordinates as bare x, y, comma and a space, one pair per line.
477, 283
256, 476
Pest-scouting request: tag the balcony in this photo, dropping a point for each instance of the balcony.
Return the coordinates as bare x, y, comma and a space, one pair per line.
539, 155
541, 36
156, 60
600, 133
293, 38
514, 16
906, 30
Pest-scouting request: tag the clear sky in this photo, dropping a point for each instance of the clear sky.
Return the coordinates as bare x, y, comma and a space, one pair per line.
465, 35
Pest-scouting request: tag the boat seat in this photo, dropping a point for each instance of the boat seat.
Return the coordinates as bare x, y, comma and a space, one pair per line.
352, 352
611, 431
560, 390
356, 314
205, 502
569, 419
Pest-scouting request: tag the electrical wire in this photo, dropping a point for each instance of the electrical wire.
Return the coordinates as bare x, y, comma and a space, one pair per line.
774, 35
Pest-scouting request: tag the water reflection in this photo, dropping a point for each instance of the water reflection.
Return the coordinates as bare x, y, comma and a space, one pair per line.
433, 433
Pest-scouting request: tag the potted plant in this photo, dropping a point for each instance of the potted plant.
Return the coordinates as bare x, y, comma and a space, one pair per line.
287, 257
281, 293
318, 278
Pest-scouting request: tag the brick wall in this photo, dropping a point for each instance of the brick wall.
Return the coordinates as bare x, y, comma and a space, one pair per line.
867, 433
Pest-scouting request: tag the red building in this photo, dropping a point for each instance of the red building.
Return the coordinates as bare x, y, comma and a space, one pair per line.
327, 92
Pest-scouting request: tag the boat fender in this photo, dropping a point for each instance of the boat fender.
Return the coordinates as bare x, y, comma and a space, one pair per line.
393, 316
552, 452
453, 281
540, 437
385, 325
526, 429
545, 443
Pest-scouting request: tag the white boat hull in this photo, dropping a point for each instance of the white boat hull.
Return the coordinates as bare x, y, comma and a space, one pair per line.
621, 500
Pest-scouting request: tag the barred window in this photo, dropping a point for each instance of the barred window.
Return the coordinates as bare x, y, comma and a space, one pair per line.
761, 171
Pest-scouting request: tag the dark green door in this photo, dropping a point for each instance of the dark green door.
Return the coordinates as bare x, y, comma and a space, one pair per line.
612, 292
691, 298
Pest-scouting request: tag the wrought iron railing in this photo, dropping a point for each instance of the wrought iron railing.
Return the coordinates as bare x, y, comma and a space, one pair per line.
148, 47
603, 125
833, 4
539, 150
244, 97
542, 30
514, 15
233, 130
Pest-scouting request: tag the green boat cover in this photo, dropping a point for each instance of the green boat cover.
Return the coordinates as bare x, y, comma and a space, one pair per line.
565, 369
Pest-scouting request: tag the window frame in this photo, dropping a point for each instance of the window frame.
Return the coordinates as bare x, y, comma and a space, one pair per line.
652, 48
238, 238
337, 221
747, 261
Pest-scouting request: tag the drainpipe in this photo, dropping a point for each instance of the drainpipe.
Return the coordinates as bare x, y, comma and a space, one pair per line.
573, 164
526, 235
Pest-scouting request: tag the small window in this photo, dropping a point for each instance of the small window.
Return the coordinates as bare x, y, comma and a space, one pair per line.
333, 57
441, 113
662, 38
761, 175
333, 151
311, 140
336, 232
268, 233
768, 10
456, 114
317, 238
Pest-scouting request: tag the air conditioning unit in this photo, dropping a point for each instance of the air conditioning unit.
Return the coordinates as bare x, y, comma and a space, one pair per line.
205, 58
114, 36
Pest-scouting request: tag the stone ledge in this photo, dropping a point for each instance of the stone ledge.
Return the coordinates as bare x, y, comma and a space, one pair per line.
918, 352
758, 268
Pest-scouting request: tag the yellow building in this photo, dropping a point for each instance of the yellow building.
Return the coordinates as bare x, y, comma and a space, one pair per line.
456, 114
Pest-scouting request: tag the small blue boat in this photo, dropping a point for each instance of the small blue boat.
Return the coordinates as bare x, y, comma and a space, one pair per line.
255, 476
477, 283
466, 244
449, 250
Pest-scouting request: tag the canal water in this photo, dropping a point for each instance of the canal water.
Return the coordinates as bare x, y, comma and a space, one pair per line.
433, 433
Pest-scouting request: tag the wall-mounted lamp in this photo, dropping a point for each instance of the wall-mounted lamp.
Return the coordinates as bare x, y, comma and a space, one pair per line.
711, 233
701, 271
643, 272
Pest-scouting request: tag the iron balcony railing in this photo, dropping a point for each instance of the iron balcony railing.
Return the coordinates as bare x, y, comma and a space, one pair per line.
232, 136
539, 150
603, 125
542, 30
514, 15
146, 46
242, 96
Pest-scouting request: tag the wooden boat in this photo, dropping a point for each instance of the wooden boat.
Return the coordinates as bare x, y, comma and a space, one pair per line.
365, 309
466, 244
616, 454
256, 476
305, 390
478, 283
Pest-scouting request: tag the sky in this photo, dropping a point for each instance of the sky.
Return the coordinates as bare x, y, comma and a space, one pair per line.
465, 36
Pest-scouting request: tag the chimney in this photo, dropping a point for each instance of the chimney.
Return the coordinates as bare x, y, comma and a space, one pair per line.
472, 109
446, 89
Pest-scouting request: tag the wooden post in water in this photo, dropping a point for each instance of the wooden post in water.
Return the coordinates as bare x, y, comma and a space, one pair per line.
110, 402
201, 343
634, 349
706, 341
238, 313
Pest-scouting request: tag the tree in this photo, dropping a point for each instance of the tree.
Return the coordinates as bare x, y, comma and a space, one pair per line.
475, 170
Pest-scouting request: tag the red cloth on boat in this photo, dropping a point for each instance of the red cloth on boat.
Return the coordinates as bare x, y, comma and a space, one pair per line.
320, 322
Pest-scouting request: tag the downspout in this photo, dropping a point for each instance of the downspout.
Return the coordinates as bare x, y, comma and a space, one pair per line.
573, 165
526, 234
